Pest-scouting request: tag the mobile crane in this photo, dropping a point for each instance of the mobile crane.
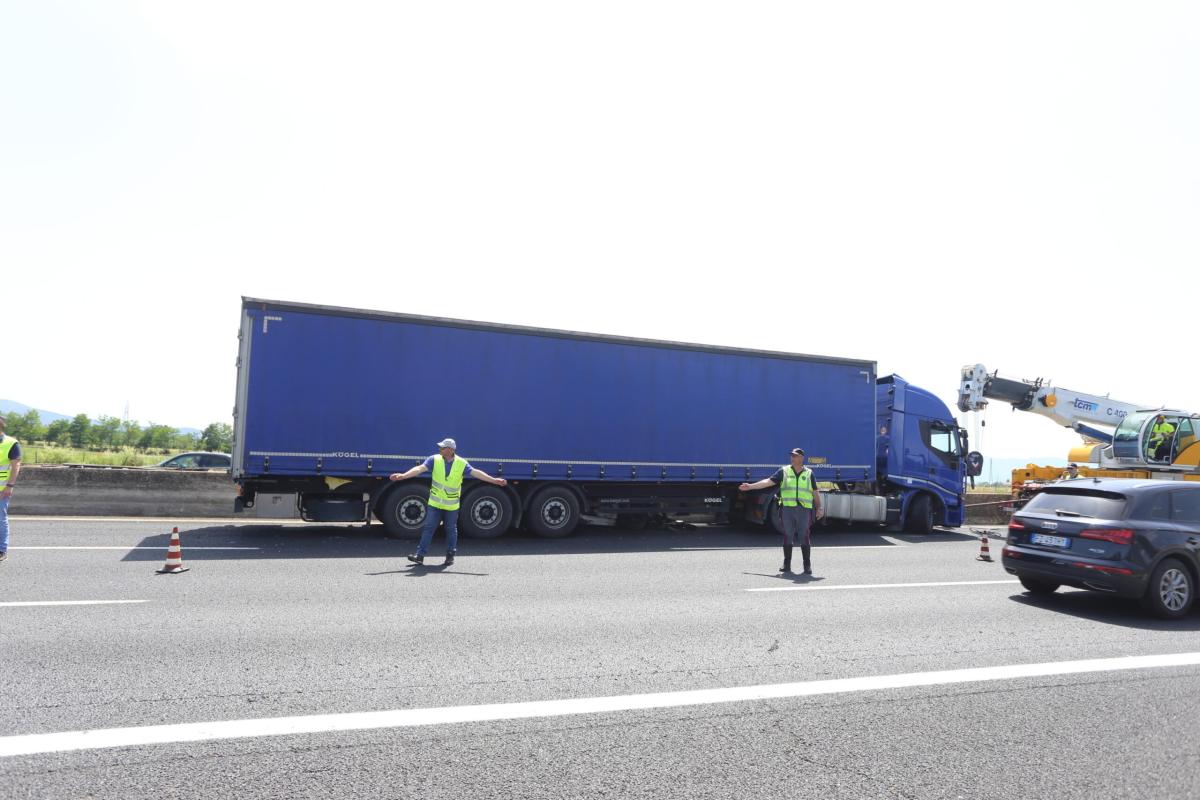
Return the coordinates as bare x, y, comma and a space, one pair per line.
1121, 439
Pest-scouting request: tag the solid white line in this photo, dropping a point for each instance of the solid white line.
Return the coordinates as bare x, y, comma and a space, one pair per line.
108, 547
873, 586
894, 541
212, 521
34, 744
824, 547
71, 603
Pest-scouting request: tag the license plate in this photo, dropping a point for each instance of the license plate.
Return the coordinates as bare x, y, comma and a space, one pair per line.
1052, 541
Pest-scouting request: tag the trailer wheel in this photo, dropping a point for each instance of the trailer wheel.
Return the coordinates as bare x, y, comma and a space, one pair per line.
920, 515
486, 513
403, 511
554, 512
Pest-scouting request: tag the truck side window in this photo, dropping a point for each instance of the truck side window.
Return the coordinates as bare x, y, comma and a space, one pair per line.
942, 441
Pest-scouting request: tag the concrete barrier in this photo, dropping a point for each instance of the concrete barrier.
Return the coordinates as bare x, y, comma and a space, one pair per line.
121, 492
45, 490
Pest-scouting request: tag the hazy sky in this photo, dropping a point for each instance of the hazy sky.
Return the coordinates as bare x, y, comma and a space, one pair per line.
926, 185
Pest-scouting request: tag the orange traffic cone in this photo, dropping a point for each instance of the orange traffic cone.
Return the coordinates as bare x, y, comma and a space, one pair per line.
984, 555
174, 563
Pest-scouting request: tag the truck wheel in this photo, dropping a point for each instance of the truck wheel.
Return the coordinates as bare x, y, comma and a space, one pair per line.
554, 512
486, 513
403, 511
920, 515
1171, 590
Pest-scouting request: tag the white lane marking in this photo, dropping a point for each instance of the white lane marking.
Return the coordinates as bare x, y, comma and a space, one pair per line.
873, 586
826, 547
70, 603
34, 744
894, 541
108, 547
217, 521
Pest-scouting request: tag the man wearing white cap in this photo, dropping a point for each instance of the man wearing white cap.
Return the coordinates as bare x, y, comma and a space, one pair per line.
799, 504
445, 492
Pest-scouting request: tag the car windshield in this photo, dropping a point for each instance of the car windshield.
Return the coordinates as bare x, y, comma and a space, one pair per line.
1101, 505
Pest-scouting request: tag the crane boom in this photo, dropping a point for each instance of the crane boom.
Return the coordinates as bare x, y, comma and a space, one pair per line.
1159, 441
1076, 410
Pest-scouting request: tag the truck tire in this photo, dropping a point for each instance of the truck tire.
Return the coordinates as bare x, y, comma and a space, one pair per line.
554, 512
402, 510
920, 515
487, 512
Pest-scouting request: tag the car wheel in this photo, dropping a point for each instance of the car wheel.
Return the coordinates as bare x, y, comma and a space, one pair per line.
1171, 590
486, 513
403, 510
920, 515
554, 512
1039, 587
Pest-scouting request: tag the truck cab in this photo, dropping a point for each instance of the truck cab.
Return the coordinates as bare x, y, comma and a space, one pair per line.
922, 457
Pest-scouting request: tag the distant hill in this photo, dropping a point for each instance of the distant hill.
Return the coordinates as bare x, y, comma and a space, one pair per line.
13, 407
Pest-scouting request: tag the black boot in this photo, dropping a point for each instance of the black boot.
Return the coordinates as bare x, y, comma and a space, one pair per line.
806, 551
416, 559
449, 559
787, 559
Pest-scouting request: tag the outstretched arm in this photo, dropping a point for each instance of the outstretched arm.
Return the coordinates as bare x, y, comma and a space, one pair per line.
483, 476
765, 483
403, 476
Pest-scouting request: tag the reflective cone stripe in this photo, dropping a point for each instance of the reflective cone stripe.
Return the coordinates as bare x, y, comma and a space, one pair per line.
984, 553
174, 556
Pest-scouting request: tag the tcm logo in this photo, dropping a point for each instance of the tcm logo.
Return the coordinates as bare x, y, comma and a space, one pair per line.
1084, 405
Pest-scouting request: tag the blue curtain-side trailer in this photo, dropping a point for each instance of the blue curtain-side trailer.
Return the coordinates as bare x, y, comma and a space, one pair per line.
330, 401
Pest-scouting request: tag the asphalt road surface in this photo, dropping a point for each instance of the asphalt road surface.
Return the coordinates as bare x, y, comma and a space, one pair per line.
296, 661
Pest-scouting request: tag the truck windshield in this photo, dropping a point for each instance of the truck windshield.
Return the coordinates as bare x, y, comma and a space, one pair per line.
1099, 505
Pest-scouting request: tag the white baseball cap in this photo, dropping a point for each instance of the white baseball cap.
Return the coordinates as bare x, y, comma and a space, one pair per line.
447, 442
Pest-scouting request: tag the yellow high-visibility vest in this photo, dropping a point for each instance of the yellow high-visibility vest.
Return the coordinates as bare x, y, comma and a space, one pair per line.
6, 446
445, 490
797, 488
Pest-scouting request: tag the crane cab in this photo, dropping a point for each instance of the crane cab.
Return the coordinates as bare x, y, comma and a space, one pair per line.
1159, 438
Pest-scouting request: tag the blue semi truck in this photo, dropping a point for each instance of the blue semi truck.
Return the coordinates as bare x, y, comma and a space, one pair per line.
585, 427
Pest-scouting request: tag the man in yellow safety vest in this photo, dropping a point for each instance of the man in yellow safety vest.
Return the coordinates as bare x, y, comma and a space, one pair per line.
800, 504
10, 465
1159, 446
445, 492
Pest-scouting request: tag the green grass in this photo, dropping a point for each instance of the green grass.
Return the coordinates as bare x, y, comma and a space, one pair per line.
45, 454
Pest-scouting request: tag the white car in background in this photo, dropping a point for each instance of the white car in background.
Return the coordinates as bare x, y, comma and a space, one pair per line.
197, 460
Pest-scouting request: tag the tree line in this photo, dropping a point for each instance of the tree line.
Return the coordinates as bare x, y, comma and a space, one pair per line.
111, 433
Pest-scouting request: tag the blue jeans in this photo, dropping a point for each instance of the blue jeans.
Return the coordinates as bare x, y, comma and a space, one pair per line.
432, 517
3, 526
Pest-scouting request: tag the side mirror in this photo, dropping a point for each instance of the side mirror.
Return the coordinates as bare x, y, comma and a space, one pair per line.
974, 463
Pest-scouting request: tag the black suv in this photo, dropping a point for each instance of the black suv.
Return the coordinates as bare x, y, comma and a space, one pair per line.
1132, 538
